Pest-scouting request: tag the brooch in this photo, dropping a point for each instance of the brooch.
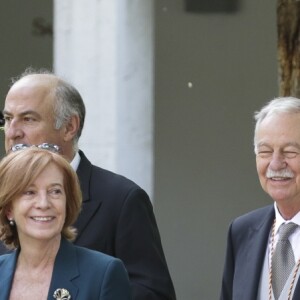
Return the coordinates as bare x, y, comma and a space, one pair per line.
62, 294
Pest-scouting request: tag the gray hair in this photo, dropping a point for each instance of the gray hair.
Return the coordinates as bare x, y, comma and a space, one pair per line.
68, 101
287, 105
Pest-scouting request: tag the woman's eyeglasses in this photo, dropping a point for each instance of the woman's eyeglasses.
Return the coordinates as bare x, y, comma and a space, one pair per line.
46, 146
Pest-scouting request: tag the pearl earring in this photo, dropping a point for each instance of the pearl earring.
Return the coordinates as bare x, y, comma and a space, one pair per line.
11, 222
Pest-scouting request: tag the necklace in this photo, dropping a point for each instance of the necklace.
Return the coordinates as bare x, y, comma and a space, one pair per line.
270, 268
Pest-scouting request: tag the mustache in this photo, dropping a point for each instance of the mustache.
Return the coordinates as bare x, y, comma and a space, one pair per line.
285, 173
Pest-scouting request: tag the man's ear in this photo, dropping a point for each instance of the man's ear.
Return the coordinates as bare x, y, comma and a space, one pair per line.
71, 128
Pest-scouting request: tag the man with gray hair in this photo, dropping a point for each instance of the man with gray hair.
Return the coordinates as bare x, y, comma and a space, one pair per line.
117, 216
263, 247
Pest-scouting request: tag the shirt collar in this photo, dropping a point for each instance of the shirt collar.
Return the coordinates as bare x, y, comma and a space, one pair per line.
75, 162
280, 220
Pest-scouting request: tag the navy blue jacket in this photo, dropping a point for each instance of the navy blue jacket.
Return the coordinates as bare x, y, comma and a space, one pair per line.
84, 273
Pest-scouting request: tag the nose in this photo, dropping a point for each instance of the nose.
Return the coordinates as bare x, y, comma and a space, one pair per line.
42, 201
277, 162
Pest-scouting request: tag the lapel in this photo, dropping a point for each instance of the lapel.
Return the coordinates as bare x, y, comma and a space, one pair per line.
65, 270
254, 250
90, 204
7, 267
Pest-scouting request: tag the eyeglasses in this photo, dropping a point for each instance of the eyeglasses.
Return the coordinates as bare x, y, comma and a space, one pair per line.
46, 146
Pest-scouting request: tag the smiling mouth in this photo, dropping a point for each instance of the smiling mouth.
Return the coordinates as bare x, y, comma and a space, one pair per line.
280, 178
42, 219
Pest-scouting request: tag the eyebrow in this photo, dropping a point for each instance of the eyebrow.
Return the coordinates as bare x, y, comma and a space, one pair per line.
24, 113
51, 185
54, 184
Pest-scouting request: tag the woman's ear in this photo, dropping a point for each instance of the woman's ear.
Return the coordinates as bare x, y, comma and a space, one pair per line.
9, 213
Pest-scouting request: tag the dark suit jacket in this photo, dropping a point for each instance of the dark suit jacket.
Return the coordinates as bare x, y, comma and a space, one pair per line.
246, 248
117, 218
86, 274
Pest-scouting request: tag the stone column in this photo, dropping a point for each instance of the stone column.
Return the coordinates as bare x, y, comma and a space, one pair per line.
105, 48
